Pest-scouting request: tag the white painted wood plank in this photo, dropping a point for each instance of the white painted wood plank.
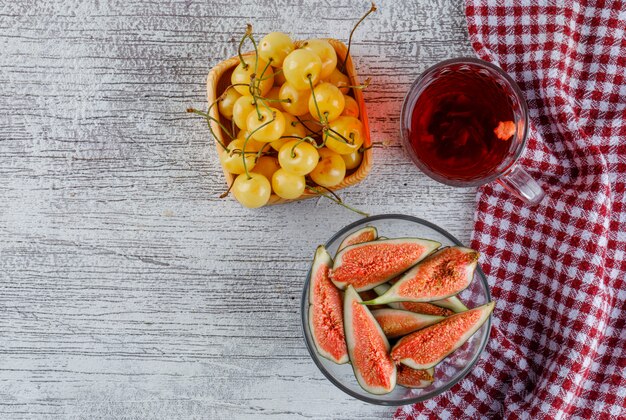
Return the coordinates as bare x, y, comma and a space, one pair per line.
127, 288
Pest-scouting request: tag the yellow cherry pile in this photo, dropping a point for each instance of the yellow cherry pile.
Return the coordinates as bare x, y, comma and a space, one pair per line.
294, 124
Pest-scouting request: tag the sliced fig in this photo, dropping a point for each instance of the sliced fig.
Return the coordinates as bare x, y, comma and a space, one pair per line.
326, 311
443, 274
366, 234
417, 307
367, 346
422, 308
452, 303
414, 378
370, 294
366, 265
397, 322
425, 348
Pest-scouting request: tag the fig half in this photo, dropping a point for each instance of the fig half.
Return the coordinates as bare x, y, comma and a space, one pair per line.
326, 311
366, 234
397, 322
368, 264
367, 346
443, 274
417, 307
425, 348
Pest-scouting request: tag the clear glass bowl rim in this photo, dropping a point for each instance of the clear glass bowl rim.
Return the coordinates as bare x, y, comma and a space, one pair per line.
311, 347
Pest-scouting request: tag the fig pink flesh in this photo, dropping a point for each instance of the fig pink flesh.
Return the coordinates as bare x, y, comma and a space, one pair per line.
366, 236
417, 307
327, 316
429, 346
413, 378
396, 323
442, 274
376, 262
370, 354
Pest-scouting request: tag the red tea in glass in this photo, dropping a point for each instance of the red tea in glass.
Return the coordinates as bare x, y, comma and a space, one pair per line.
453, 126
464, 123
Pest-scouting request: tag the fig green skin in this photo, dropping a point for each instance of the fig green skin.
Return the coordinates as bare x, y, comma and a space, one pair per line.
453, 303
429, 248
439, 340
352, 239
351, 297
393, 293
321, 259
381, 289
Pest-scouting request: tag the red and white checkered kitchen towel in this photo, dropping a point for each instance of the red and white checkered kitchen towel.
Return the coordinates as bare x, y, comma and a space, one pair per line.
557, 270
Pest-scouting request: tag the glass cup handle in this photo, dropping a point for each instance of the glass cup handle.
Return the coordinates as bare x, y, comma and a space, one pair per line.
522, 185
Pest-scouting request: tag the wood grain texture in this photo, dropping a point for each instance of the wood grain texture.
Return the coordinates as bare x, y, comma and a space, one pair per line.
128, 289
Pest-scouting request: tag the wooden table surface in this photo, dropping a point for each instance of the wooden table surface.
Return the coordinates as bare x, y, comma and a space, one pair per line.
128, 289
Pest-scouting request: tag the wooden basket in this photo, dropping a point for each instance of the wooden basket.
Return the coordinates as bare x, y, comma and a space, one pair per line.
219, 79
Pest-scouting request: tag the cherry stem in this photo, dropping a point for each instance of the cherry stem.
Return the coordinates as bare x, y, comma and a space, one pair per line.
256, 107
254, 86
334, 197
261, 78
362, 86
225, 194
305, 126
333, 193
255, 89
229, 87
248, 34
256, 51
263, 99
260, 152
345, 60
209, 119
245, 143
311, 140
241, 152
317, 108
265, 105
337, 136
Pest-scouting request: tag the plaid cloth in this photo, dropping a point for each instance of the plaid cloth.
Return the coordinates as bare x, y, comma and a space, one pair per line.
557, 270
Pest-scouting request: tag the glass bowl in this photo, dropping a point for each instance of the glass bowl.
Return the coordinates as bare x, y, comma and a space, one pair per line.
448, 372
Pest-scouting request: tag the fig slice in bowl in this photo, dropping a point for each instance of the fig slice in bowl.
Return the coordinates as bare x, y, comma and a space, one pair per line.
367, 346
366, 234
425, 348
414, 378
368, 264
397, 322
417, 307
326, 311
443, 274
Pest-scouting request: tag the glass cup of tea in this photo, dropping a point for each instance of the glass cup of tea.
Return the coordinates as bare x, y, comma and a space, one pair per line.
464, 123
